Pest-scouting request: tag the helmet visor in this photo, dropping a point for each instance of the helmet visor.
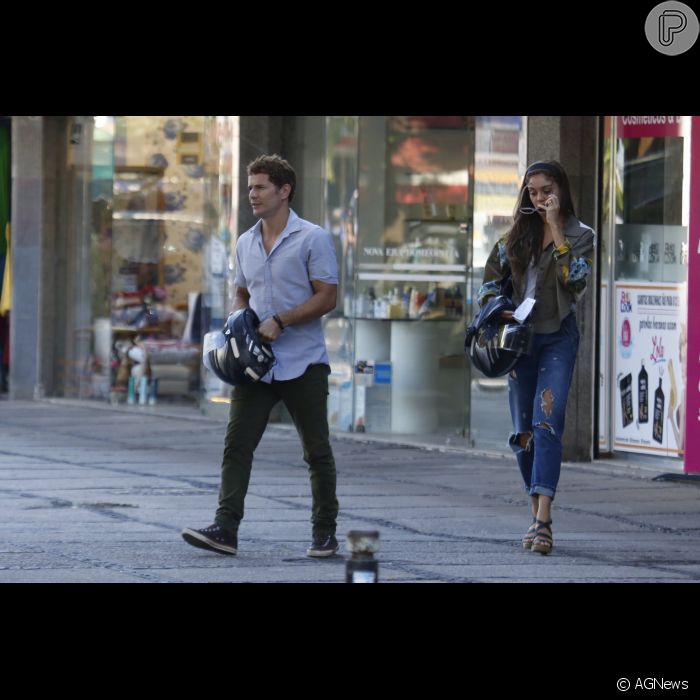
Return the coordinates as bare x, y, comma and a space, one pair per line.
211, 341
516, 337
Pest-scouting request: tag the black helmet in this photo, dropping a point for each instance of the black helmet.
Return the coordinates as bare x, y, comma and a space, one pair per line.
236, 354
493, 345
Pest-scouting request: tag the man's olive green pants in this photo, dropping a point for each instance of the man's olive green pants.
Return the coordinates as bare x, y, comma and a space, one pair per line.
305, 398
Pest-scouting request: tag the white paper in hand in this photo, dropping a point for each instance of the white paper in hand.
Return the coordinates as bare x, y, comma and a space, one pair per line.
523, 311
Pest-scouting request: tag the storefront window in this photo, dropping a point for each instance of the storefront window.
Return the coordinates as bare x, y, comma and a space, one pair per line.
162, 202
411, 255
81, 258
649, 300
220, 219
498, 170
157, 239
101, 210
341, 213
400, 192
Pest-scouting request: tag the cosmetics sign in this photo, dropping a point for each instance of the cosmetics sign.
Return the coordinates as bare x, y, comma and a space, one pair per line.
635, 127
649, 377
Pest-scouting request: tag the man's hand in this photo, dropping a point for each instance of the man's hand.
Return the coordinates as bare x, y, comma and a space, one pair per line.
269, 331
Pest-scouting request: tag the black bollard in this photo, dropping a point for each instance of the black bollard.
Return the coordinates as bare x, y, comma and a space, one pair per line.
362, 567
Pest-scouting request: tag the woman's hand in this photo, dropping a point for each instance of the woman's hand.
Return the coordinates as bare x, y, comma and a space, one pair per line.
507, 315
553, 219
551, 208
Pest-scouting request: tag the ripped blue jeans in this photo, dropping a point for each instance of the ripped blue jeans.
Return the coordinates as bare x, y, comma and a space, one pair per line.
538, 388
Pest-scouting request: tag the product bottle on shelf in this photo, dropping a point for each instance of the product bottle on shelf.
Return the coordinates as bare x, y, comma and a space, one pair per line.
406, 303
395, 304
643, 395
626, 400
371, 302
658, 432
362, 305
413, 304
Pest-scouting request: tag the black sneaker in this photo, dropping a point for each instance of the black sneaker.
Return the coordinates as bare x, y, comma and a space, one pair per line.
213, 537
323, 544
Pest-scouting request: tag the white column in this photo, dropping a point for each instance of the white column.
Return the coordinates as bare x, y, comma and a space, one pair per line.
414, 381
372, 340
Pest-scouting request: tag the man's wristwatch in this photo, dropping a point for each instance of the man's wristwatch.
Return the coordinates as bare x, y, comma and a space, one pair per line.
278, 321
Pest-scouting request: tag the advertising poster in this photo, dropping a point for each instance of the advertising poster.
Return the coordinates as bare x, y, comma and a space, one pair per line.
603, 379
649, 376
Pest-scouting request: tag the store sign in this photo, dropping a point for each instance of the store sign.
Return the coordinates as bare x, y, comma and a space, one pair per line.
414, 253
692, 452
648, 378
635, 127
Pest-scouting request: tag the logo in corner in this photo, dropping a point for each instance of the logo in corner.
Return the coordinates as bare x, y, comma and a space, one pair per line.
672, 28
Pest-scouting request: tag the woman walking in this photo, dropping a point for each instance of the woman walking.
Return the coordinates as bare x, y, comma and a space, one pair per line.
549, 254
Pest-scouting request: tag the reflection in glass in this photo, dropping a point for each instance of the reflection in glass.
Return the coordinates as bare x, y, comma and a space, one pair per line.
499, 164
161, 224
649, 234
412, 251
341, 221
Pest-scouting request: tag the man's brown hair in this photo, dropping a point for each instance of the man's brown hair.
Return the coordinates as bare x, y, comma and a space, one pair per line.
277, 169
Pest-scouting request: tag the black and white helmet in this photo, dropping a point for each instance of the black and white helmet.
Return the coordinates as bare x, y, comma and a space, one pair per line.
493, 345
236, 354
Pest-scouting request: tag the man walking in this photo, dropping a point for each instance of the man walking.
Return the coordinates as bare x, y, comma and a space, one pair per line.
286, 271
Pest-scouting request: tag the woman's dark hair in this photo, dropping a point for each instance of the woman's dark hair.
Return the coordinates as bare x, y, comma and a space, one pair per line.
277, 169
524, 240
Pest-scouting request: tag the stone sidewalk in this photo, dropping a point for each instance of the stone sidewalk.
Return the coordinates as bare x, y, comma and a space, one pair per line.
93, 494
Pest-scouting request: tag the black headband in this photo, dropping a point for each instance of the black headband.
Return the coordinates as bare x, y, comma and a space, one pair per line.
541, 165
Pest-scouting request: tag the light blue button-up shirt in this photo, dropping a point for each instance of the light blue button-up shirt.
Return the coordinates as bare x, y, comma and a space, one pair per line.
282, 280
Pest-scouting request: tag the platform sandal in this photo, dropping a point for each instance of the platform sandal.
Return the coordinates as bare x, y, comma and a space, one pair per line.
530, 534
542, 542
